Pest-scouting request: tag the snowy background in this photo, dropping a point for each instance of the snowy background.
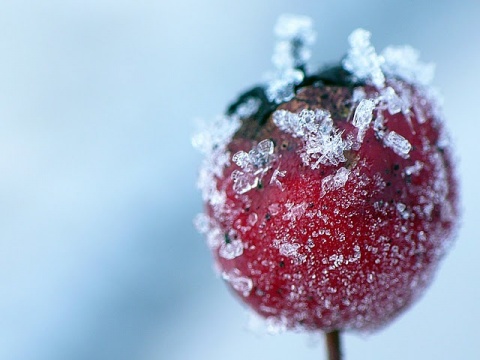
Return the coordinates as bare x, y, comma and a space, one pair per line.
98, 257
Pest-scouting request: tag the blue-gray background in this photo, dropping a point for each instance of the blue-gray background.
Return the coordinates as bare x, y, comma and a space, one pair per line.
98, 257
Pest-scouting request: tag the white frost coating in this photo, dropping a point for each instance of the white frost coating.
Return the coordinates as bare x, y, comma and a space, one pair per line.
295, 36
403, 62
240, 283
363, 117
231, 250
254, 165
362, 60
333, 182
212, 142
398, 144
216, 134
323, 143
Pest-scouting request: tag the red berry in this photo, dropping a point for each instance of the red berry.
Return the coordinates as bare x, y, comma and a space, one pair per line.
329, 208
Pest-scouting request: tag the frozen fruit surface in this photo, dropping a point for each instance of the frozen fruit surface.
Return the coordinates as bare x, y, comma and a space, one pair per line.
329, 205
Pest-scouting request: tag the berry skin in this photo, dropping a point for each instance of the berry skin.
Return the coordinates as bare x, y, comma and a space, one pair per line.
331, 210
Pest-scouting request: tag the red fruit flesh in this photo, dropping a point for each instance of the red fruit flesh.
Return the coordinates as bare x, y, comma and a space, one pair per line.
342, 241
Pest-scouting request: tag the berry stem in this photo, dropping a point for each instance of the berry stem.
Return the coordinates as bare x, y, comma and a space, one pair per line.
333, 345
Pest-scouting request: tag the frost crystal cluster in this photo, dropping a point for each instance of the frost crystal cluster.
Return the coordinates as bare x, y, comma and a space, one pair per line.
323, 143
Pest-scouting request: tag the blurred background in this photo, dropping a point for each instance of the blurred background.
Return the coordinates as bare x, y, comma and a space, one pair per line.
98, 255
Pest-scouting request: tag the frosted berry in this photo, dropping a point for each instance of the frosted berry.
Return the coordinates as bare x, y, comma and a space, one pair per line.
331, 196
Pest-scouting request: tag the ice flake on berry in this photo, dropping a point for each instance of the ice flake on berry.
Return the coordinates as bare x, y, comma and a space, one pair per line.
254, 165
324, 144
363, 117
398, 144
240, 283
362, 60
275, 178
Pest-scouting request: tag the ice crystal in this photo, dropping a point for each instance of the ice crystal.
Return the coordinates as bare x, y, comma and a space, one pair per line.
363, 117
212, 143
275, 178
254, 165
362, 60
398, 144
